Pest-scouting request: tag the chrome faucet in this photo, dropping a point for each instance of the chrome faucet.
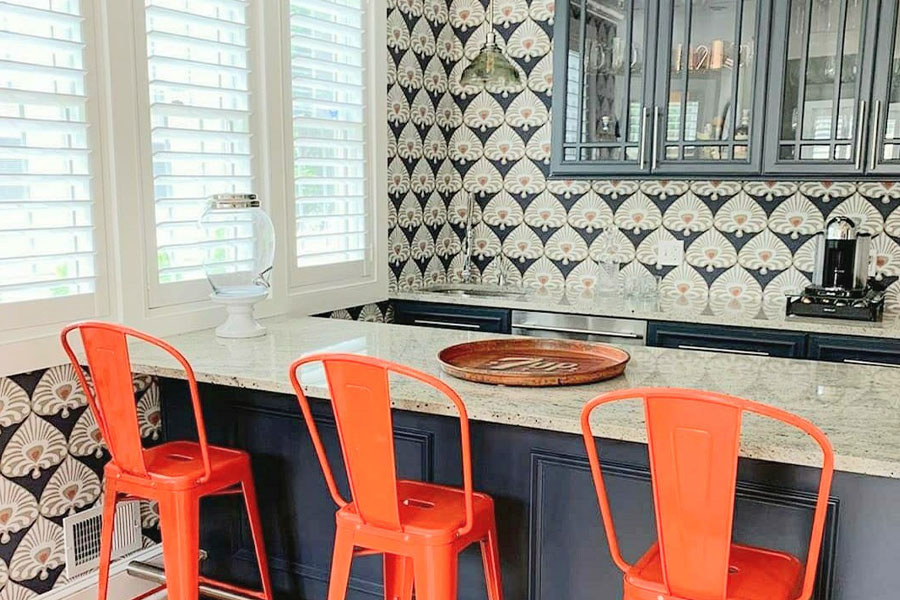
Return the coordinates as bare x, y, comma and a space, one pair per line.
467, 240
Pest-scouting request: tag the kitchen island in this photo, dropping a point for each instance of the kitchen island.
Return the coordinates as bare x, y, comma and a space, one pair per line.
528, 455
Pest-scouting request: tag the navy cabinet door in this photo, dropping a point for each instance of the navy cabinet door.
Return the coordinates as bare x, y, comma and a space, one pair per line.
734, 340
822, 59
855, 350
451, 316
603, 55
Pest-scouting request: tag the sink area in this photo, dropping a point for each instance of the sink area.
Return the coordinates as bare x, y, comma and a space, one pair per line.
476, 290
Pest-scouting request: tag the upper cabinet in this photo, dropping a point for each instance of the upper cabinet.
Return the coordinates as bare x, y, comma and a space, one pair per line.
710, 94
603, 96
822, 56
741, 88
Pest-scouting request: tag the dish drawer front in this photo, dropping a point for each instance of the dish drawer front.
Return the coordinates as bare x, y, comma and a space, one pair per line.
629, 332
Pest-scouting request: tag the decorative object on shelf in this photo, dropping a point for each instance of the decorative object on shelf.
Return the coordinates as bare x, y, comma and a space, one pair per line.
491, 67
533, 362
239, 253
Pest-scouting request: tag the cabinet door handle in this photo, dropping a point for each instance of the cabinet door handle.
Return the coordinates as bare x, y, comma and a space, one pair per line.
614, 334
861, 132
643, 151
723, 350
655, 148
446, 324
870, 363
873, 147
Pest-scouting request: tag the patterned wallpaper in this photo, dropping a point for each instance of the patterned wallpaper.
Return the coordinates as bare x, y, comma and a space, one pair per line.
51, 466
745, 242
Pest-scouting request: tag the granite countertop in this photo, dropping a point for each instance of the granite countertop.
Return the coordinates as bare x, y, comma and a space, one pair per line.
857, 406
767, 314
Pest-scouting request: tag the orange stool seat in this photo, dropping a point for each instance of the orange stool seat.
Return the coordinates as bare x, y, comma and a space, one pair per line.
180, 464
753, 574
175, 474
419, 528
433, 512
693, 442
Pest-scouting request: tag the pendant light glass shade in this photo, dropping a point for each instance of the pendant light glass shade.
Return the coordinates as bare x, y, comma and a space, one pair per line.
491, 68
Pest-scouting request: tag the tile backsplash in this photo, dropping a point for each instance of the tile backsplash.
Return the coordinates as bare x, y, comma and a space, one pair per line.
745, 242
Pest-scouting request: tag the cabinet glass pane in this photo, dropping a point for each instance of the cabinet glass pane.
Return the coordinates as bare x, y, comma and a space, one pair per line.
710, 82
605, 78
821, 87
891, 132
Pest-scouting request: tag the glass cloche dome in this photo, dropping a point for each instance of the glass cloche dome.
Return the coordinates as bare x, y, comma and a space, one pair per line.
240, 245
239, 249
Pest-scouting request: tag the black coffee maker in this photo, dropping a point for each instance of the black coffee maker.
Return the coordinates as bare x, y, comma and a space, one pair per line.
841, 286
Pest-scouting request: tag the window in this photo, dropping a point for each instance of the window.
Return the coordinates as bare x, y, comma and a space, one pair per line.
330, 112
48, 241
199, 76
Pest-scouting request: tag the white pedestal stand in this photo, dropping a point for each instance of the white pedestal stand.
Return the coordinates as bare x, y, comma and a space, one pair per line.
240, 322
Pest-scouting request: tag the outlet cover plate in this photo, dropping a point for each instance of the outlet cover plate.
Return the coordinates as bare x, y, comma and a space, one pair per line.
670, 253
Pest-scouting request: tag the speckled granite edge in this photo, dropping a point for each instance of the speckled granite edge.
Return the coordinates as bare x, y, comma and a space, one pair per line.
854, 405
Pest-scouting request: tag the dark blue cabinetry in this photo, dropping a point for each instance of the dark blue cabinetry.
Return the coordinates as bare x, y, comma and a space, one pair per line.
452, 316
855, 350
736, 340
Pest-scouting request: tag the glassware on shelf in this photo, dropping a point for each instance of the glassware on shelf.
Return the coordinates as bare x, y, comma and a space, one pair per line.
238, 240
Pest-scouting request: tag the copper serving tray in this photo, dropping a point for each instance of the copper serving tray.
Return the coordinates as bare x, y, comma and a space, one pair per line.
533, 362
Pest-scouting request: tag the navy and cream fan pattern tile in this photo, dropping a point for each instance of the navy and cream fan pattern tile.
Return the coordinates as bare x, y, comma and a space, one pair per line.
51, 466
746, 243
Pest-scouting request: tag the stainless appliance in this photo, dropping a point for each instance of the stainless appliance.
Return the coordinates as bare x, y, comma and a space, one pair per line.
841, 287
618, 332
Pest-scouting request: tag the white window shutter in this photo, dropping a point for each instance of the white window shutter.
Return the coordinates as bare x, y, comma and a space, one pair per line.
332, 203
47, 245
199, 72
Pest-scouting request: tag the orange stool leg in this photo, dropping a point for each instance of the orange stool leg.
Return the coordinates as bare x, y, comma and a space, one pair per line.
106, 537
179, 519
341, 560
490, 557
436, 573
398, 577
257, 533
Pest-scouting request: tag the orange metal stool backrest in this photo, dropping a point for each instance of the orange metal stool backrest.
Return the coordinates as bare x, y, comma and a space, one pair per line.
111, 398
361, 400
419, 527
693, 440
175, 474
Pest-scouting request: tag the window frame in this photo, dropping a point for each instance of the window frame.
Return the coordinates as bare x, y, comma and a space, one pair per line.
21, 319
159, 295
315, 286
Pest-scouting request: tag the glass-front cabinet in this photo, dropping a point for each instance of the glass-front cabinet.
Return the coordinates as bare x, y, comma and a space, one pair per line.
608, 67
821, 66
884, 146
651, 85
680, 88
709, 96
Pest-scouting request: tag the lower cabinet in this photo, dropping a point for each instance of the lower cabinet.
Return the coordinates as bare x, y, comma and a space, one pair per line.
855, 350
733, 340
452, 316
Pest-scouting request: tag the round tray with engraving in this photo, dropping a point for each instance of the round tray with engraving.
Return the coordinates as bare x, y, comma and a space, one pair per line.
533, 362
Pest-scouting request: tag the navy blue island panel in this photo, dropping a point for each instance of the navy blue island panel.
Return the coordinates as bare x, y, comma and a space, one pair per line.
553, 546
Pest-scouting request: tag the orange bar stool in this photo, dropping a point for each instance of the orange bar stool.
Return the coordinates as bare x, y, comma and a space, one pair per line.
175, 474
693, 440
420, 528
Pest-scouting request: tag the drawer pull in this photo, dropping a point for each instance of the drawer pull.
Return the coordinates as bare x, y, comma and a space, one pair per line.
870, 363
723, 350
446, 324
614, 334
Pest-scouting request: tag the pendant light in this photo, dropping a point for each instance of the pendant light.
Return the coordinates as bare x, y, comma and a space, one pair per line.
491, 68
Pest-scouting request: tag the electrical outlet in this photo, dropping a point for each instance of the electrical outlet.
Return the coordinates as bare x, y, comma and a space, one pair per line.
670, 253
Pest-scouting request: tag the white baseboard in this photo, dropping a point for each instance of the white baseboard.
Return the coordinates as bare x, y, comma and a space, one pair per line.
122, 586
